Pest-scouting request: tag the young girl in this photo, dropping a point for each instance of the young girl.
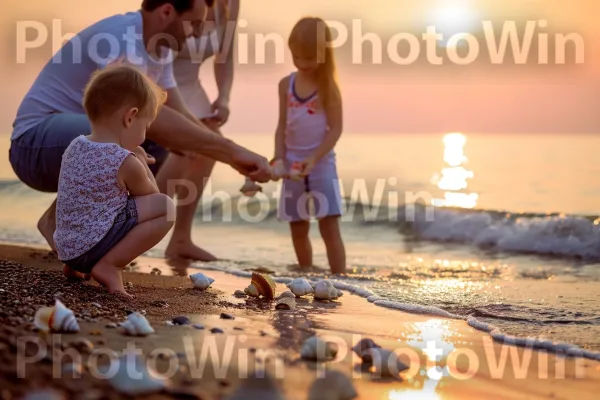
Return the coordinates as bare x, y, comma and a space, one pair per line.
310, 124
109, 209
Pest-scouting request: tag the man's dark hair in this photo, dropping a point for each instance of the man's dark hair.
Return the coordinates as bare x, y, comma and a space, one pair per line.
180, 6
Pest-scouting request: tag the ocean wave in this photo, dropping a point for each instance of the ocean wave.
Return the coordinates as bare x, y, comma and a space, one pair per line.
560, 348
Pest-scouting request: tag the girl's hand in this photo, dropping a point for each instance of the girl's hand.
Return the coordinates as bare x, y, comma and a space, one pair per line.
143, 156
307, 166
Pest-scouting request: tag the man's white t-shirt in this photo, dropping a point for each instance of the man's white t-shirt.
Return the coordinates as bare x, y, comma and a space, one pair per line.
60, 86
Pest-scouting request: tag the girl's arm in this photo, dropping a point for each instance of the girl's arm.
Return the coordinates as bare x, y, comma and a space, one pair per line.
135, 175
224, 68
335, 124
281, 125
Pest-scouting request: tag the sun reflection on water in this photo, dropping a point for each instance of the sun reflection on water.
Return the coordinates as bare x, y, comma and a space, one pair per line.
453, 179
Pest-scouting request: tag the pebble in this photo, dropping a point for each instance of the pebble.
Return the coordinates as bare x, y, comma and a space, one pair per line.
82, 345
96, 305
112, 325
159, 303
198, 326
237, 328
181, 321
217, 330
169, 323
227, 316
240, 294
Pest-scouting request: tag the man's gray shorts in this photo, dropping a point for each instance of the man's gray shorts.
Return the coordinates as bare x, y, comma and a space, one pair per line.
36, 156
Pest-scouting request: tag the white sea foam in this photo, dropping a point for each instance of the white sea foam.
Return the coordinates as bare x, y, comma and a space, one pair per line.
567, 236
494, 332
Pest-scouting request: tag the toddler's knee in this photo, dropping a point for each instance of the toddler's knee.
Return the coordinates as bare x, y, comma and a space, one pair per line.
167, 206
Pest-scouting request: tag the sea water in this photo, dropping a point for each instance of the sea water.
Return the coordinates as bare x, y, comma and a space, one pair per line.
501, 230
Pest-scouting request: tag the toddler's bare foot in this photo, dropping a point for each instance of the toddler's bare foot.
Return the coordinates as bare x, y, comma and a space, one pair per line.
110, 276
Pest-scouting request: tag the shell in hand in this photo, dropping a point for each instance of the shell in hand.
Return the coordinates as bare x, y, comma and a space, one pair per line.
333, 386
201, 281
300, 287
324, 290
56, 319
136, 325
278, 170
250, 188
261, 285
384, 362
316, 349
139, 383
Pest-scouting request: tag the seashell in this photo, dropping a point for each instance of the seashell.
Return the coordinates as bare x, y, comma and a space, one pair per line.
333, 386
136, 325
296, 170
258, 386
287, 294
300, 287
324, 290
286, 303
56, 319
318, 350
201, 281
263, 284
361, 348
385, 362
278, 170
250, 188
143, 382
181, 321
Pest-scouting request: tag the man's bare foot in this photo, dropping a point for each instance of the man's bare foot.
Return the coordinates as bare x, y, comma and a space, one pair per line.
72, 274
189, 251
46, 225
110, 276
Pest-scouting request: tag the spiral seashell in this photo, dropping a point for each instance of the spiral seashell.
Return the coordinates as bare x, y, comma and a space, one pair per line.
250, 188
318, 350
136, 325
333, 386
324, 290
261, 285
286, 294
56, 319
385, 363
286, 303
300, 287
201, 281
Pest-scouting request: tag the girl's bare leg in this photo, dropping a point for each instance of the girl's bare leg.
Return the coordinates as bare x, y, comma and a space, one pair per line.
336, 253
302, 244
155, 219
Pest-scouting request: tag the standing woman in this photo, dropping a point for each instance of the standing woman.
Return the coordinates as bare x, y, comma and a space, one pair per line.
217, 41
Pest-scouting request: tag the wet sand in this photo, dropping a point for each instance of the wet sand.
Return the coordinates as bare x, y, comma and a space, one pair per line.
207, 365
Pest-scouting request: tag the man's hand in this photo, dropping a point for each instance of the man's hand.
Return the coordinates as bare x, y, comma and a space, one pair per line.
221, 108
251, 165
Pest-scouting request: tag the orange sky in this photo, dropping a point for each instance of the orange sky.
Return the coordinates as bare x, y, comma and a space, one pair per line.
385, 98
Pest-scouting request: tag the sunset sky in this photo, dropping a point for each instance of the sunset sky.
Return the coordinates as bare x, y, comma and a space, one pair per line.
386, 98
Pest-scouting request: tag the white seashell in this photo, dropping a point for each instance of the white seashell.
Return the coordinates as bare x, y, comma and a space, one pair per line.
300, 287
56, 319
201, 281
318, 350
252, 291
384, 362
287, 294
136, 325
324, 290
137, 379
286, 303
250, 188
278, 170
333, 386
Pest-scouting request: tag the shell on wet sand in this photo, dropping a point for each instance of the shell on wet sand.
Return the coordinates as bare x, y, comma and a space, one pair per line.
316, 349
261, 285
300, 287
324, 290
333, 386
286, 303
143, 381
201, 281
136, 325
384, 362
56, 319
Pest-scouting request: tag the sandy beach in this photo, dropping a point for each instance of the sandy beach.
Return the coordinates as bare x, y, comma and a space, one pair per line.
207, 364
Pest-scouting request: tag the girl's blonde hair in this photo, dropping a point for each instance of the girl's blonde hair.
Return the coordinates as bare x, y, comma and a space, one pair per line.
118, 86
312, 36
